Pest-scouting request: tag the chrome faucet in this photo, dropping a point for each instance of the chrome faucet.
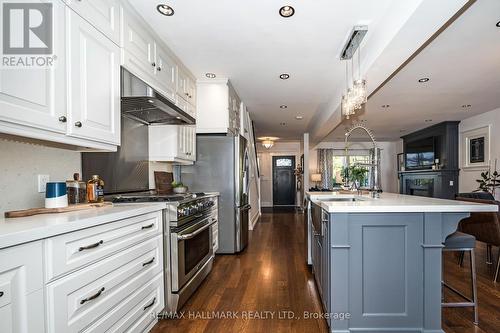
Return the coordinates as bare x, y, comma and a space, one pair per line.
375, 160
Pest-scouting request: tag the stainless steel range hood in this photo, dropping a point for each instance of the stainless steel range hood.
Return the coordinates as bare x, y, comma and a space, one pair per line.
142, 103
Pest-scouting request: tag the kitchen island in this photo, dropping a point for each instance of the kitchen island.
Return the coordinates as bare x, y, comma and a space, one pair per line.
377, 262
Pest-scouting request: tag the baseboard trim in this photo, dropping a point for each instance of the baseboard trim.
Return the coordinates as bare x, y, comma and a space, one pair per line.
254, 220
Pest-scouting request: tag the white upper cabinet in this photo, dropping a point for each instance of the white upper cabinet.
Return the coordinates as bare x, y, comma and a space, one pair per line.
138, 48
218, 107
102, 14
165, 73
172, 143
36, 97
95, 83
186, 87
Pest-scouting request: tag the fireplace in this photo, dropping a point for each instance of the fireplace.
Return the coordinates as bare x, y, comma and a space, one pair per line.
423, 187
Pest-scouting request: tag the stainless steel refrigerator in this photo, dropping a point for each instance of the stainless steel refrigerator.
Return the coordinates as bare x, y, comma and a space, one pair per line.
222, 165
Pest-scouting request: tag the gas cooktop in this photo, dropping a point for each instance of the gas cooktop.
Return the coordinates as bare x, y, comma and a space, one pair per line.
153, 196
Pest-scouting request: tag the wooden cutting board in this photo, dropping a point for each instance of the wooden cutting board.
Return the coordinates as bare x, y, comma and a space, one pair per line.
163, 182
70, 208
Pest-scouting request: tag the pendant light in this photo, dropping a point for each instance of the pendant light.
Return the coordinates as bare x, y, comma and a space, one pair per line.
267, 144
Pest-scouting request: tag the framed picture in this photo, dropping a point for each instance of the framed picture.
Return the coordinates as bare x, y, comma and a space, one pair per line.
475, 148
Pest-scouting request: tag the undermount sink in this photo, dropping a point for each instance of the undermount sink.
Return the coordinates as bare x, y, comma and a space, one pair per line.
348, 199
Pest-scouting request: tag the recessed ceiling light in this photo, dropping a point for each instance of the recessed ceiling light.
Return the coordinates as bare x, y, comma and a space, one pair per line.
498, 24
177, 117
165, 10
284, 76
210, 75
282, 124
385, 106
150, 101
283, 106
428, 120
287, 11
299, 117
424, 79
466, 106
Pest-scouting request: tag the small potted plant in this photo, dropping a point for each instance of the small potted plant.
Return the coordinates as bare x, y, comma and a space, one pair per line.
179, 188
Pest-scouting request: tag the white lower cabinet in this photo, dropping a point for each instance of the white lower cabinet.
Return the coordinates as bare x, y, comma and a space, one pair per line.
53, 286
77, 300
21, 289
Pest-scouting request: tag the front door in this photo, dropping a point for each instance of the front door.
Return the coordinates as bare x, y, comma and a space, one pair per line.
283, 180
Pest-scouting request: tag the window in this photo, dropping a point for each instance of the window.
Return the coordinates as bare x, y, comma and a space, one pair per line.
283, 162
339, 164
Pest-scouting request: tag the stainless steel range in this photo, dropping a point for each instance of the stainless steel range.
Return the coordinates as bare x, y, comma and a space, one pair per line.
188, 241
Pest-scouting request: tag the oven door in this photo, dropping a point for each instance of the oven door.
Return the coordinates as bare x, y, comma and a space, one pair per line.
191, 247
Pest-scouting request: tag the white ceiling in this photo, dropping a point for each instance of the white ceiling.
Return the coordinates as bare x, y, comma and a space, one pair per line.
463, 64
251, 44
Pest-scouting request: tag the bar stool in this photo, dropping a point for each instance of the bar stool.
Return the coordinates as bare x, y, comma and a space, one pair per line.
459, 241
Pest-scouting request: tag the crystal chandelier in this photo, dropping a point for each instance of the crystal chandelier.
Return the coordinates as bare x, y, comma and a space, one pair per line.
356, 94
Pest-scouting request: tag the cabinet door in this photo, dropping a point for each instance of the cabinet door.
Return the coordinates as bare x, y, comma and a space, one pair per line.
36, 97
94, 83
138, 49
165, 73
192, 154
191, 90
21, 289
182, 84
102, 14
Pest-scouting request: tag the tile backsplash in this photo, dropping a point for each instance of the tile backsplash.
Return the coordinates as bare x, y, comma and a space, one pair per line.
21, 163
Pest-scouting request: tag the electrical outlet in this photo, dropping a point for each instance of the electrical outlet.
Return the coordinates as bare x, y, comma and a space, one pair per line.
42, 183
451, 183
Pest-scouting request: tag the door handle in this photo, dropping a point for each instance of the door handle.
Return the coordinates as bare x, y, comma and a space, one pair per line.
194, 233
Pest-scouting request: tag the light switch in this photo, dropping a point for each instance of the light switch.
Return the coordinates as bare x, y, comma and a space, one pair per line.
451, 183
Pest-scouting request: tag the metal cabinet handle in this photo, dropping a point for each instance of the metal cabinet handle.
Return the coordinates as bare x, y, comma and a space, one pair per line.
83, 301
193, 234
147, 226
153, 64
150, 304
158, 69
148, 262
91, 246
186, 94
62, 119
78, 124
1, 293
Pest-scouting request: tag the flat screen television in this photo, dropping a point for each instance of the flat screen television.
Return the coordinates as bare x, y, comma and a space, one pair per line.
420, 154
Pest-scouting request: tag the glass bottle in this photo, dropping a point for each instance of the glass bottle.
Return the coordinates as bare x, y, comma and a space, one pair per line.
95, 189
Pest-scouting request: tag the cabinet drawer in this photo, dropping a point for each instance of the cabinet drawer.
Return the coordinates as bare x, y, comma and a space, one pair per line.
70, 251
145, 303
77, 300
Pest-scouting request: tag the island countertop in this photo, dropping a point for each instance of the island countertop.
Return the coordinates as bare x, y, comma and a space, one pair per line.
392, 202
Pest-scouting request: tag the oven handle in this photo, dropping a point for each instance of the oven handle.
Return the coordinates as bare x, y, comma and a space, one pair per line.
194, 233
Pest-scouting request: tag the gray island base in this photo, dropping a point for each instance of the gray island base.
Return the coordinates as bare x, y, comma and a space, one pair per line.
383, 267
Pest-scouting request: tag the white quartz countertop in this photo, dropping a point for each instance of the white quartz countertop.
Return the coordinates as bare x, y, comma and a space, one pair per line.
394, 203
14, 231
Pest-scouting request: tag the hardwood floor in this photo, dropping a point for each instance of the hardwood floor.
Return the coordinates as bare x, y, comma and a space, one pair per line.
269, 278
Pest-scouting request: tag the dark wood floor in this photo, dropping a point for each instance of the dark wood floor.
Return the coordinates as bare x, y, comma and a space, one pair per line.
270, 275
